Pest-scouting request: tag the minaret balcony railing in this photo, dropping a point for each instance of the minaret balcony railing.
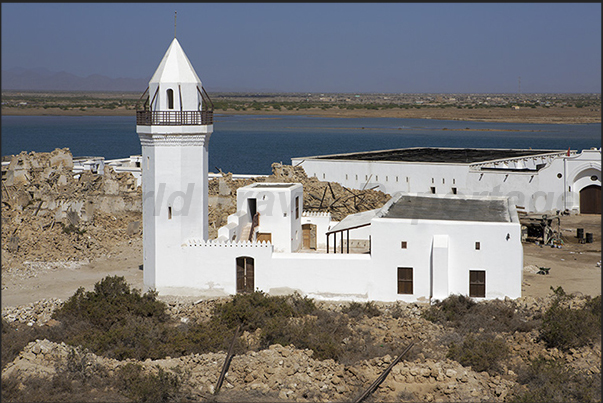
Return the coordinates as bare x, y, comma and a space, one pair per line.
174, 118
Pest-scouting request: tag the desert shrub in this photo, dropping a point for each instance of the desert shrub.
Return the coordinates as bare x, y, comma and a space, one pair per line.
111, 302
322, 332
14, 340
148, 387
254, 310
565, 328
552, 380
468, 316
482, 352
450, 309
357, 310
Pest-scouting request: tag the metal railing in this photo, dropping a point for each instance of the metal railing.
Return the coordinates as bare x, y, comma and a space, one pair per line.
174, 118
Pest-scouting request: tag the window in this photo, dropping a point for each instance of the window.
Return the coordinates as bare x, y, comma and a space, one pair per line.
170, 98
404, 245
396, 179
169, 212
346, 177
432, 180
323, 175
356, 177
453, 191
433, 189
477, 246
454, 181
386, 178
404, 280
477, 283
297, 207
376, 177
443, 180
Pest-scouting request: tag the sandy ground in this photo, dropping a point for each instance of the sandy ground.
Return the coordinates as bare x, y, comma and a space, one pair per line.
574, 267
565, 115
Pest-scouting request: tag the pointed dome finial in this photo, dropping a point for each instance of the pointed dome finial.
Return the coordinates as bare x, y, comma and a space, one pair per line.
175, 15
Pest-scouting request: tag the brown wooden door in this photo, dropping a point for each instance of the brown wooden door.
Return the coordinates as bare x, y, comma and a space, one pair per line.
309, 236
590, 200
245, 274
477, 283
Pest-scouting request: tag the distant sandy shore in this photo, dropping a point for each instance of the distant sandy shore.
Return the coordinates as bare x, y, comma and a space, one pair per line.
558, 115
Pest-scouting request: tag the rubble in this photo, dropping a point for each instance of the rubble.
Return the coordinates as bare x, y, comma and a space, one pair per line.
52, 215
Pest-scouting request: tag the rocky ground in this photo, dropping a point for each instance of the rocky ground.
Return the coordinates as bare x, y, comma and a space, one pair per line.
60, 232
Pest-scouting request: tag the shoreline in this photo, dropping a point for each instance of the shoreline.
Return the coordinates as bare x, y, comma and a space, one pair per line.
525, 115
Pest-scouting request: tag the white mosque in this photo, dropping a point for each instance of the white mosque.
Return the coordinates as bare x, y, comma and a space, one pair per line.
417, 247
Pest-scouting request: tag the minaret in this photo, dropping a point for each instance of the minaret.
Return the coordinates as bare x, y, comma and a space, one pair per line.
174, 126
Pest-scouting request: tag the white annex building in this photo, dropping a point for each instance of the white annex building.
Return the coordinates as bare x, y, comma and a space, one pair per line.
536, 180
415, 248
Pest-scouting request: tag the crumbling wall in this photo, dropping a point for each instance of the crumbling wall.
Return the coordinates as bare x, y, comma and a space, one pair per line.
51, 213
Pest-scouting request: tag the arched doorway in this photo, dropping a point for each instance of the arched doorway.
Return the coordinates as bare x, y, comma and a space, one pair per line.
590, 200
245, 277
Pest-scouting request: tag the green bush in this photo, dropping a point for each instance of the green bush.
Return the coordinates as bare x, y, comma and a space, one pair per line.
552, 380
482, 352
254, 310
147, 387
565, 328
468, 316
357, 310
111, 302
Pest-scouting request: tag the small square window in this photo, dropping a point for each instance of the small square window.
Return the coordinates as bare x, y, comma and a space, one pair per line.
477, 246
404, 244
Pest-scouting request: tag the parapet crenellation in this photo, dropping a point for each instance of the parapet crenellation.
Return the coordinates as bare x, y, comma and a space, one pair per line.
216, 243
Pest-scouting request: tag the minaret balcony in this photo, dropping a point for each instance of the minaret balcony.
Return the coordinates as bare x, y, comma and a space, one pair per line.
174, 118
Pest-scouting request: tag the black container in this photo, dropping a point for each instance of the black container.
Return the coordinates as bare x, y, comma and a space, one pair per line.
580, 233
589, 237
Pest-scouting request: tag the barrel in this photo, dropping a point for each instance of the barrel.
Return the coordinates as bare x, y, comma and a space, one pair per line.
580, 233
589, 237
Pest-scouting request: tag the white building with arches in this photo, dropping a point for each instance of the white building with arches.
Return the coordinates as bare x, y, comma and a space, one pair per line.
415, 248
536, 180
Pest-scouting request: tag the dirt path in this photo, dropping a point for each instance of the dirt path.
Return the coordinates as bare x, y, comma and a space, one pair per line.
59, 282
574, 267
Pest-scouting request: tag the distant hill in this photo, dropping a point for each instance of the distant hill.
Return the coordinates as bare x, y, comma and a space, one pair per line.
21, 79
44, 80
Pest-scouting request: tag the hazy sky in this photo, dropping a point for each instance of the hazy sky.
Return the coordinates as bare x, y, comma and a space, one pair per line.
315, 47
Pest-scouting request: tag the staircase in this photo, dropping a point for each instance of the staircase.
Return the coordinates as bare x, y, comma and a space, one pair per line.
245, 232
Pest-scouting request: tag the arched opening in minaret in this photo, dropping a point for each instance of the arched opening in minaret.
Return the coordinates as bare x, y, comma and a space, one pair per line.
170, 98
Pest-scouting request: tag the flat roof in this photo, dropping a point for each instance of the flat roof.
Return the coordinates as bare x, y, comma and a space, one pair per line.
427, 154
448, 208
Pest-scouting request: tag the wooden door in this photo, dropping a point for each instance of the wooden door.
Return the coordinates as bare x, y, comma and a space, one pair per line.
309, 236
245, 274
590, 200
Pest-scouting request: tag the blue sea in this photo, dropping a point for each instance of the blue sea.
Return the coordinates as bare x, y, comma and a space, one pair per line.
249, 144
